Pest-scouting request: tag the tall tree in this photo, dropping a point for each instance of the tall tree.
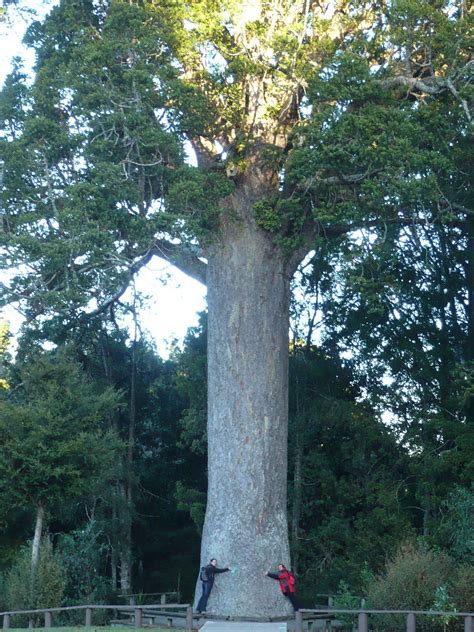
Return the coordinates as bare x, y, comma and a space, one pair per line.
54, 438
307, 121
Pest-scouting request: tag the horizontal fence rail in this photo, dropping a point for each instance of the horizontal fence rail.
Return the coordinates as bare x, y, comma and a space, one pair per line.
133, 598
136, 611
172, 609
363, 617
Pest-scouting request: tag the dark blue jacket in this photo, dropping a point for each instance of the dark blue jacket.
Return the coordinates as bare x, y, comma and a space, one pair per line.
211, 570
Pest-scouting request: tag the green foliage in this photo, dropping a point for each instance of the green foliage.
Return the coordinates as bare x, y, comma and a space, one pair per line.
462, 591
44, 589
190, 382
54, 430
194, 501
83, 554
415, 578
3, 603
346, 600
97, 144
352, 495
443, 603
266, 216
353, 120
456, 531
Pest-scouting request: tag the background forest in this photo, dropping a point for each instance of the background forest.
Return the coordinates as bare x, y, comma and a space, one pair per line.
103, 443
361, 492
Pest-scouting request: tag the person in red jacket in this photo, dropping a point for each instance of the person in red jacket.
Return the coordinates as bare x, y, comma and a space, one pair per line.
287, 584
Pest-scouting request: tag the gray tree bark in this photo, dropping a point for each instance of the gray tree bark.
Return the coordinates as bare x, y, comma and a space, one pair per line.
37, 537
246, 518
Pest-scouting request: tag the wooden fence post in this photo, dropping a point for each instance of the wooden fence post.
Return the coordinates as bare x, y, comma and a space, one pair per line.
138, 617
6, 621
48, 618
88, 621
189, 618
411, 622
299, 621
467, 624
163, 599
363, 622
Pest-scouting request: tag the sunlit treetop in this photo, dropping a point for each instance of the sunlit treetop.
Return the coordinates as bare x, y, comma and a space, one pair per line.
151, 124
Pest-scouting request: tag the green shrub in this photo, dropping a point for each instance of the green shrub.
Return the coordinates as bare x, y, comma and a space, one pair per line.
462, 588
413, 580
3, 603
43, 589
456, 531
83, 555
346, 600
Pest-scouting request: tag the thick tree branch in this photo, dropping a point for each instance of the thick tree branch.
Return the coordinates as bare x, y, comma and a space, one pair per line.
181, 256
132, 270
414, 84
430, 85
184, 256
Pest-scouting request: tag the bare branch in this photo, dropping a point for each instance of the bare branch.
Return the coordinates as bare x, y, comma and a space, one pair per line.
314, 229
463, 102
414, 84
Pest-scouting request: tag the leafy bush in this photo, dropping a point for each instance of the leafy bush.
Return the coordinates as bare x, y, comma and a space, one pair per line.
346, 600
42, 589
456, 532
462, 588
3, 605
83, 555
416, 578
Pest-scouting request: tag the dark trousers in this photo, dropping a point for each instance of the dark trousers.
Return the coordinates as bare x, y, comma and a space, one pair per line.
295, 602
206, 591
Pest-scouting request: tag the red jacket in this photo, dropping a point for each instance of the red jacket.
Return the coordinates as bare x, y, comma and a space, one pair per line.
286, 579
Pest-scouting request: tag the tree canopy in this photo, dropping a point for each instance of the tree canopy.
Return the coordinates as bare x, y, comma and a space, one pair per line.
348, 116
55, 437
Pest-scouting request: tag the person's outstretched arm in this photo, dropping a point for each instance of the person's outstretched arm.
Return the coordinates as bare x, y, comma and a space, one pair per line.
272, 575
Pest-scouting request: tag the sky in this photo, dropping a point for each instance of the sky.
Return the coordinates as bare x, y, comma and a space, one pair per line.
174, 300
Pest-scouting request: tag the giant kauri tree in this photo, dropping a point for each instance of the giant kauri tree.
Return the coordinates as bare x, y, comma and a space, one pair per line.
230, 137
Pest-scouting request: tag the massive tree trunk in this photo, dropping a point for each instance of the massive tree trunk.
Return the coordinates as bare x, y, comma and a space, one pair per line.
246, 517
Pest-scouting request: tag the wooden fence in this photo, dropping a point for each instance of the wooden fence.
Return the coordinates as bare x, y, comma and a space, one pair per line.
363, 617
136, 613
142, 598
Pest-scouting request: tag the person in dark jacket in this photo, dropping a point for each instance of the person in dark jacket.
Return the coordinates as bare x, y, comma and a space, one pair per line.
287, 585
207, 578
